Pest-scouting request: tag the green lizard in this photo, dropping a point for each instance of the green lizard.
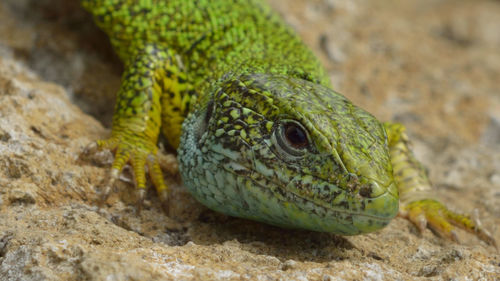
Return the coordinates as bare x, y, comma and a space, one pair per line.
260, 134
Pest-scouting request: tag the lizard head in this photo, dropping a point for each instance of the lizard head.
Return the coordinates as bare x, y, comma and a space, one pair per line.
288, 152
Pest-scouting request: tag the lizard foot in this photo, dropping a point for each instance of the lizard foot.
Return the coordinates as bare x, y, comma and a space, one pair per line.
433, 214
140, 154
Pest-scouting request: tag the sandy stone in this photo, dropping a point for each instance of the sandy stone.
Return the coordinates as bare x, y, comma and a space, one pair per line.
433, 65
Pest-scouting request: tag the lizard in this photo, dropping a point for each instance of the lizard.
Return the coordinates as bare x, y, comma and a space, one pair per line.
258, 129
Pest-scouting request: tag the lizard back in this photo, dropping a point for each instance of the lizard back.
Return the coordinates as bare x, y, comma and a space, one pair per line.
212, 38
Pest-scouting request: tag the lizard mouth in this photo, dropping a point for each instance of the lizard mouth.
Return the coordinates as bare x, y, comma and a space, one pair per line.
371, 199
341, 212
342, 216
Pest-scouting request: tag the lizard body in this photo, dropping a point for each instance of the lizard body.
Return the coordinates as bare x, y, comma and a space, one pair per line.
260, 133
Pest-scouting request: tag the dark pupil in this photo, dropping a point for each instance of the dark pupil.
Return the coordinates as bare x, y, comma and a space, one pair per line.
295, 135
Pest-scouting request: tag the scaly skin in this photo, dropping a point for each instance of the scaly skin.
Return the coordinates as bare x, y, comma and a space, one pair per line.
259, 132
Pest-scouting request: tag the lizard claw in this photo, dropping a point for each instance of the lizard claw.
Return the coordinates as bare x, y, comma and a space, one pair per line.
431, 213
481, 232
140, 194
140, 154
163, 195
454, 237
106, 191
91, 148
421, 222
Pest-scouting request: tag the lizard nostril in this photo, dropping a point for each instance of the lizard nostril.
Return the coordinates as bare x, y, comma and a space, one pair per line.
366, 191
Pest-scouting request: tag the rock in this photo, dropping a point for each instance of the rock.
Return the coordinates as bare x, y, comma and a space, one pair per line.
395, 59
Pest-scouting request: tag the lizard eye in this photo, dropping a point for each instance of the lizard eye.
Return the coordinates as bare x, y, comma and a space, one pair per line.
295, 135
291, 138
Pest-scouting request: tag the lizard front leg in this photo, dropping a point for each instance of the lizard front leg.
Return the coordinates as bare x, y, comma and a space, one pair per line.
138, 118
415, 191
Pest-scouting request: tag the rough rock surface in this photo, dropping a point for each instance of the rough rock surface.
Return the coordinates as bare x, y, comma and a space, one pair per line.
432, 64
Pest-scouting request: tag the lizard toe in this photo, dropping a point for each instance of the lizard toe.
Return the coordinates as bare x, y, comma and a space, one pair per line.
443, 221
